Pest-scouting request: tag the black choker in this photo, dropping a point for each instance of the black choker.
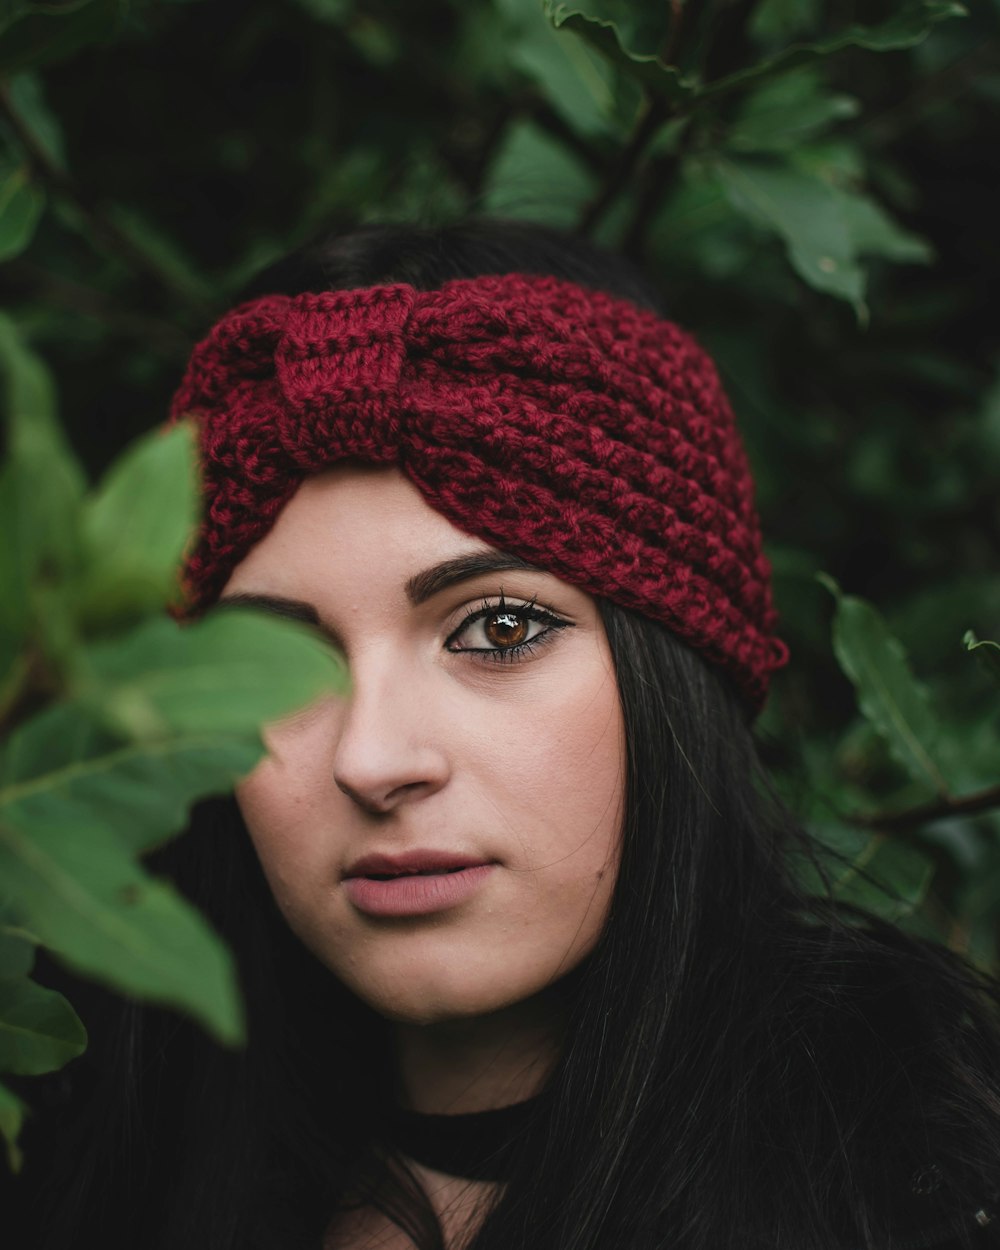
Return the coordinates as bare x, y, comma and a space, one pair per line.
476, 1146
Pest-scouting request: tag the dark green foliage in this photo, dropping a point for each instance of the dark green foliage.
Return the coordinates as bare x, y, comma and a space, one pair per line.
807, 180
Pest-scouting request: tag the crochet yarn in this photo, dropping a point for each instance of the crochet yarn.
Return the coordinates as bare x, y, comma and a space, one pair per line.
563, 425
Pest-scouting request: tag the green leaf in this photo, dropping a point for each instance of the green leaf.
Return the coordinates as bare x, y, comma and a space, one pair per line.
21, 203
888, 878
140, 792
39, 1030
38, 33
786, 110
577, 82
137, 525
825, 228
665, 82
986, 651
227, 673
26, 97
888, 694
537, 177
80, 891
807, 214
12, 1113
59, 735
774, 20
910, 26
17, 947
43, 484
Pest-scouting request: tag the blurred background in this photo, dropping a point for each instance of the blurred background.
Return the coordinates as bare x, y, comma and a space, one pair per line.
813, 185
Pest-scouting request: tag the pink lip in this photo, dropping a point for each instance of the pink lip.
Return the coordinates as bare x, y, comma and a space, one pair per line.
391, 885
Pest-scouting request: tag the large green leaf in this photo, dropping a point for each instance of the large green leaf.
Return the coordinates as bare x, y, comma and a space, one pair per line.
136, 526
910, 25
986, 651
664, 82
21, 203
888, 694
12, 1113
786, 110
228, 673
59, 735
39, 1030
44, 486
535, 176
575, 80
89, 903
826, 229
141, 792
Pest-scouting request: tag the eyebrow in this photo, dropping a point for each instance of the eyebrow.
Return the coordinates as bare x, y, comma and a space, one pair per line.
419, 588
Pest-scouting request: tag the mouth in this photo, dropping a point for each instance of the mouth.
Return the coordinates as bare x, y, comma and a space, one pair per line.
416, 883
420, 863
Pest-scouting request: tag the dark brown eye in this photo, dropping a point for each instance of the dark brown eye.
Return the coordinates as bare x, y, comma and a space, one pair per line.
506, 629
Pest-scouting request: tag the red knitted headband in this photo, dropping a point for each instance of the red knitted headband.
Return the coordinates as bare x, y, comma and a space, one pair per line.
560, 424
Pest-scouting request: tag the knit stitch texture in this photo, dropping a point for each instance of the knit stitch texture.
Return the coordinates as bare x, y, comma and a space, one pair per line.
563, 425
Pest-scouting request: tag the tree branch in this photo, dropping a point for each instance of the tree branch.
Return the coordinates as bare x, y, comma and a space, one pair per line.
937, 809
109, 236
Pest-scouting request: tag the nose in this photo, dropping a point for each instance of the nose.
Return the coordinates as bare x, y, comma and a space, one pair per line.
386, 754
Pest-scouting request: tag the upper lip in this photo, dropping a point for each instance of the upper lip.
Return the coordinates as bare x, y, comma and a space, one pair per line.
376, 865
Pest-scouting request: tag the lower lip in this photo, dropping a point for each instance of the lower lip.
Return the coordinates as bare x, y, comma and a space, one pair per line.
416, 896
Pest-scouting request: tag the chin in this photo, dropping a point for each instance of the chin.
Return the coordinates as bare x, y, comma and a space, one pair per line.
432, 1000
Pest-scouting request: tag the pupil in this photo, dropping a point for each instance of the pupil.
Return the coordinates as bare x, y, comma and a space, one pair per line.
506, 630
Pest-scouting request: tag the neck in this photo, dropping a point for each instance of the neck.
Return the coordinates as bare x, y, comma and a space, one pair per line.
459, 1066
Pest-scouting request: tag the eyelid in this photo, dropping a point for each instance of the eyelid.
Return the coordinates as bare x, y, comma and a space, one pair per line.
530, 608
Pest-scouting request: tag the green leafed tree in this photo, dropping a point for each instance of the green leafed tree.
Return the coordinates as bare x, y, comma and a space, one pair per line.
804, 179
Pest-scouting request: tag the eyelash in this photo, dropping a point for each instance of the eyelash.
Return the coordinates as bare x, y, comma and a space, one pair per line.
508, 655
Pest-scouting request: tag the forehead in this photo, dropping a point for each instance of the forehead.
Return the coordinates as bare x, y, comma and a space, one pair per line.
351, 521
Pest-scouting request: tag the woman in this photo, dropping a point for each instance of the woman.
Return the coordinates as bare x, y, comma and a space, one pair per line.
526, 960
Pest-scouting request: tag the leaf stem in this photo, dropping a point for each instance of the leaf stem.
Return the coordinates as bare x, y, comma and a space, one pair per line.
656, 112
924, 813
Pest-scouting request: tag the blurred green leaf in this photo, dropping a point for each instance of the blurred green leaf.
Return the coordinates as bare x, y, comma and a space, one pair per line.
607, 37
44, 489
21, 204
888, 694
164, 253
136, 526
12, 1113
986, 651
17, 948
227, 673
90, 904
33, 34
826, 229
26, 98
873, 871
774, 20
39, 1030
911, 25
140, 792
575, 80
535, 176
785, 111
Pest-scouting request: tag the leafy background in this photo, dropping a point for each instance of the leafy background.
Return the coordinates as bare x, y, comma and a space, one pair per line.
807, 180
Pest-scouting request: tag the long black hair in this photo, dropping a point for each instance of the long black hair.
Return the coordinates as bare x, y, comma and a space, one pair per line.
746, 1065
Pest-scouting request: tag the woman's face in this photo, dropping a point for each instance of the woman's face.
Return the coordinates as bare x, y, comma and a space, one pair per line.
444, 837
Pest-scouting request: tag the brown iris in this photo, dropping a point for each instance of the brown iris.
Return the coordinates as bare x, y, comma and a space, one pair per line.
505, 629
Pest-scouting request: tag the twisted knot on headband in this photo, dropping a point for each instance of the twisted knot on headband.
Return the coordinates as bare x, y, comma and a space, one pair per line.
566, 426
